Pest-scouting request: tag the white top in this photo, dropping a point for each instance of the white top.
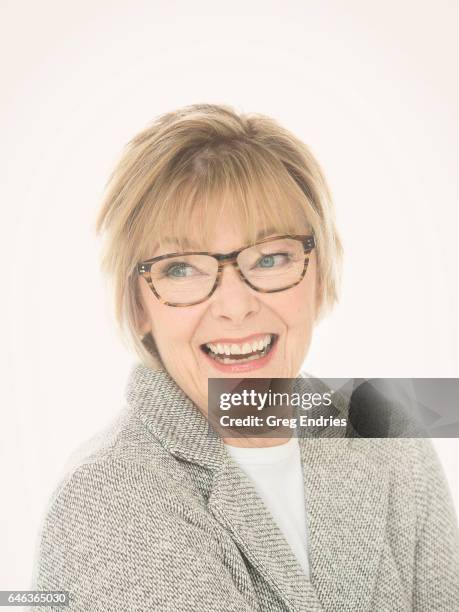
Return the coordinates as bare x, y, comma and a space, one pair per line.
277, 474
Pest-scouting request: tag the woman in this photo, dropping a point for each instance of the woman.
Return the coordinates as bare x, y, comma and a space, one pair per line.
223, 250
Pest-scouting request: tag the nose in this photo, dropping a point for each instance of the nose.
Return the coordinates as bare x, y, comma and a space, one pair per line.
233, 300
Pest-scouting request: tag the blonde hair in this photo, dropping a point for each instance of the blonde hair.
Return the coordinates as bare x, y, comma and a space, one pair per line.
191, 164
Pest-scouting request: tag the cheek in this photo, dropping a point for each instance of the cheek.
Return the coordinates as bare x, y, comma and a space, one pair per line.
174, 326
169, 324
295, 307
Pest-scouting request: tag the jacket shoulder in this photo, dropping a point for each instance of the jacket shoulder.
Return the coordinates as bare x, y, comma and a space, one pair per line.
124, 438
123, 459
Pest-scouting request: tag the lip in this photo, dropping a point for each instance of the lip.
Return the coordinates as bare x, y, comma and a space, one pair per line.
248, 366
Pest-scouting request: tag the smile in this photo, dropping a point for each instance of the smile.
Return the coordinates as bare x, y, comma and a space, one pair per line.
251, 349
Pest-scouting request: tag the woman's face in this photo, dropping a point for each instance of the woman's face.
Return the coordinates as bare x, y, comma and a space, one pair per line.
234, 315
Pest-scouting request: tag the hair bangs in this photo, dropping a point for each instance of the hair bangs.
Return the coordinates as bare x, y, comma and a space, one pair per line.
256, 197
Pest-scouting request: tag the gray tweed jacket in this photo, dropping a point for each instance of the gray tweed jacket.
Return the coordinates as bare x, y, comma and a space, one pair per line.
155, 515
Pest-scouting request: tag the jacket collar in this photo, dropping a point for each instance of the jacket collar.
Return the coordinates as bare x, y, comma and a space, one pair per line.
172, 417
346, 497
175, 420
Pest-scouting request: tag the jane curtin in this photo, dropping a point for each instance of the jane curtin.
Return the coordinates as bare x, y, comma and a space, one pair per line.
221, 244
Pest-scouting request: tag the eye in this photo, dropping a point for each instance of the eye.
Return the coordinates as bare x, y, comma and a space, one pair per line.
178, 270
273, 260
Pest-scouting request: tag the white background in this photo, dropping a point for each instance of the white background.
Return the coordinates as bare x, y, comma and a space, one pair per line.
372, 87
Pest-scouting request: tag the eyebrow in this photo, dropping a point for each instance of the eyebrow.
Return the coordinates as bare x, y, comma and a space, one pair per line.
189, 244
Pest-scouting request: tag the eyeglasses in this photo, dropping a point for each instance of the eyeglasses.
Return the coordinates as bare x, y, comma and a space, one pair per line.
184, 279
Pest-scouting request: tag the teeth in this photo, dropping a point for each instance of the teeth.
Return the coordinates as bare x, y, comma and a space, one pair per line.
240, 349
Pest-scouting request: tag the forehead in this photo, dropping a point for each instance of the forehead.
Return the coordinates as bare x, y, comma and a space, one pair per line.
223, 240
224, 224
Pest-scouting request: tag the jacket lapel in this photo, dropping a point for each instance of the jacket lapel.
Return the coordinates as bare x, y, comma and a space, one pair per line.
346, 498
236, 505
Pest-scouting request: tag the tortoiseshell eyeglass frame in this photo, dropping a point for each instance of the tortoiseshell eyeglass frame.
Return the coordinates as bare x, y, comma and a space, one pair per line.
223, 259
